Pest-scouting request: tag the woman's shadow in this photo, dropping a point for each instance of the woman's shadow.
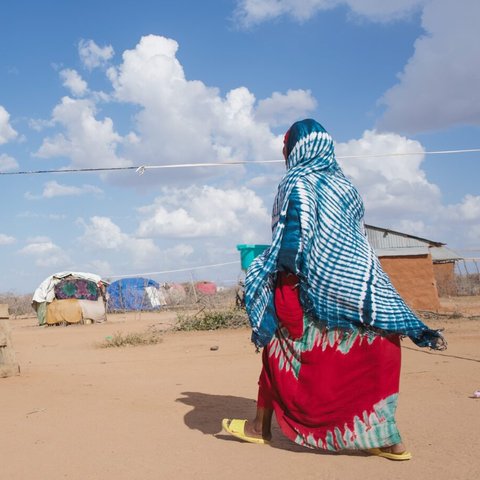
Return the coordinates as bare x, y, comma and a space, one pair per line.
209, 410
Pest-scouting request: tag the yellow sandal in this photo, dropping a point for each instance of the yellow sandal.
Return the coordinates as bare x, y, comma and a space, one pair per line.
236, 428
391, 456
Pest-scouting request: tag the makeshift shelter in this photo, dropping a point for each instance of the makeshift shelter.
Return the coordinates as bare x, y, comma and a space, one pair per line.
135, 294
70, 297
206, 288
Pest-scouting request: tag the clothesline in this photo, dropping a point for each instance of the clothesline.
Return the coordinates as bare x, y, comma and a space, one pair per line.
200, 267
150, 274
140, 169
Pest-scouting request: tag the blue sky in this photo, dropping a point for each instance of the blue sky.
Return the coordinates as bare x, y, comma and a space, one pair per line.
106, 84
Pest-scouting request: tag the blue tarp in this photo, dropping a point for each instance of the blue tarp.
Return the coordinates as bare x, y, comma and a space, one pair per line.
130, 294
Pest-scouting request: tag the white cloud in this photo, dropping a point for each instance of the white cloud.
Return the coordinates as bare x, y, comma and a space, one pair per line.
184, 120
179, 256
202, 212
181, 250
92, 55
101, 267
438, 87
46, 253
251, 12
6, 239
74, 82
54, 189
88, 142
382, 11
265, 180
129, 253
414, 227
193, 226
280, 109
100, 233
178, 120
398, 195
468, 210
7, 133
38, 124
38, 239
7, 163
394, 188
461, 221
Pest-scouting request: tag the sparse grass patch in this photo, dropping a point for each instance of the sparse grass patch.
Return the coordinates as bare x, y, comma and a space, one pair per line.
134, 339
212, 320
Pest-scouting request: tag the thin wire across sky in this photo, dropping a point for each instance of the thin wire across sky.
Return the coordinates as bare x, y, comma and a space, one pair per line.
141, 169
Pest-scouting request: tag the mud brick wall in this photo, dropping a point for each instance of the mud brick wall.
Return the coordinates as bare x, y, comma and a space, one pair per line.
414, 280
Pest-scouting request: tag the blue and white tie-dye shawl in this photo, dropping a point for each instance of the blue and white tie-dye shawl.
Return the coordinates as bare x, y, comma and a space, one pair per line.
342, 283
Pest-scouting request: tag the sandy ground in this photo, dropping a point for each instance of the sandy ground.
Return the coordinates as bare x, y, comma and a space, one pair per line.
153, 412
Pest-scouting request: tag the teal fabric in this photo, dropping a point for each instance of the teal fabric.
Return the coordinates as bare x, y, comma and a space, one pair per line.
287, 253
41, 313
342, 284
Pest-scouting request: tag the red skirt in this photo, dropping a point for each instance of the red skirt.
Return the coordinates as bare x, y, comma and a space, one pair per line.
330, 389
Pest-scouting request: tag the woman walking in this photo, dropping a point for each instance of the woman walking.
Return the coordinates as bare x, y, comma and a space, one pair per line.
327, 315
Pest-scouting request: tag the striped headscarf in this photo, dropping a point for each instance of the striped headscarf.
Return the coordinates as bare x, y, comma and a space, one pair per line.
342, 283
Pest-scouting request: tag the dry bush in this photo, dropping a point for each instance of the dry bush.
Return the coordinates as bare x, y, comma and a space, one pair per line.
208, 319
222, 299
17, 304
467, 285
134, 339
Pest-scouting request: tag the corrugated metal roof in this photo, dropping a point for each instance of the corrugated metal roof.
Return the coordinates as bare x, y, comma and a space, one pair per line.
402, 252
389, 243
386, 238
382, 239
444, 254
